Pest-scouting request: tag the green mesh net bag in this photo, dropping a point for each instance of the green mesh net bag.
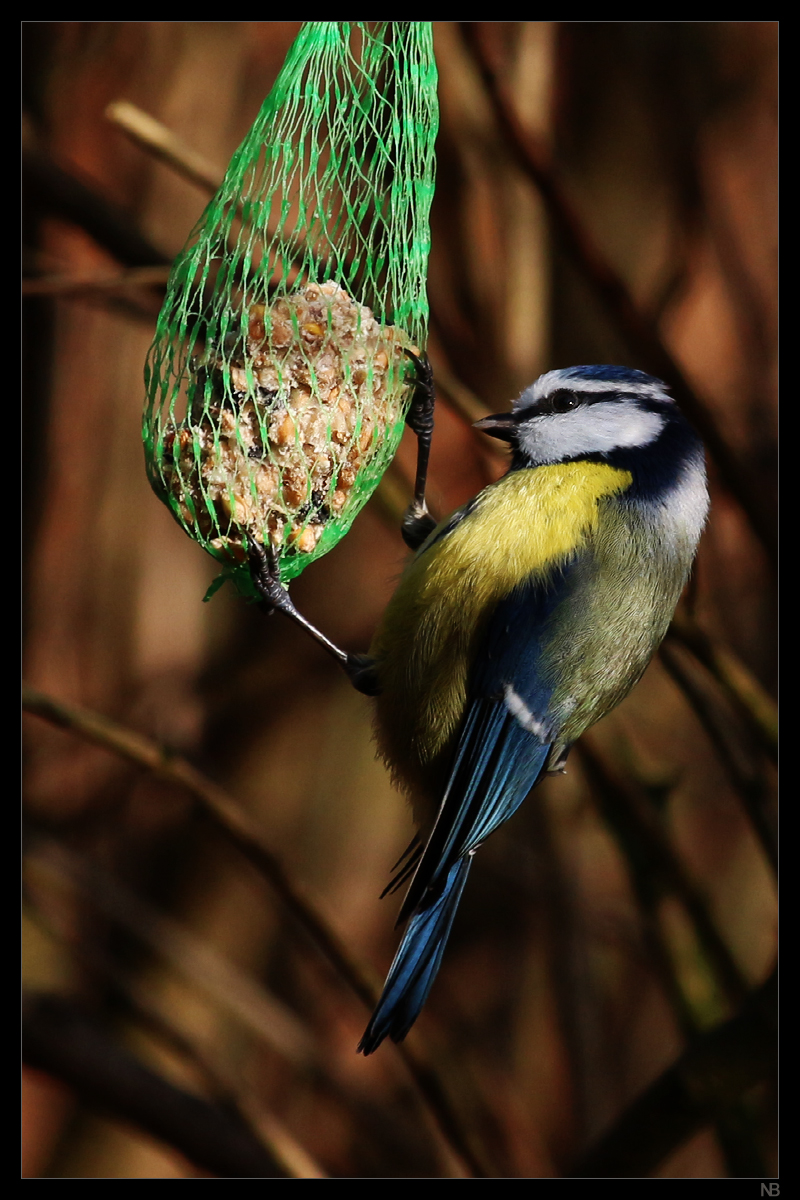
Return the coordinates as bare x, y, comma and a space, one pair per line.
278, 382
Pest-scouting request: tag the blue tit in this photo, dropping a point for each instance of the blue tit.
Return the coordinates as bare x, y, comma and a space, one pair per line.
521, 620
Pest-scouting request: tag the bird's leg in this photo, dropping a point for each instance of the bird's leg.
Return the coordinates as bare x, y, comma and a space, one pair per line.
418, 522
359, 668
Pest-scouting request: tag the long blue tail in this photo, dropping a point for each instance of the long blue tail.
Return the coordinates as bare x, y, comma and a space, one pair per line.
414, 969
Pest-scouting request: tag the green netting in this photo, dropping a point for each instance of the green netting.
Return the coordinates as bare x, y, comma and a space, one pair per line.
278, 383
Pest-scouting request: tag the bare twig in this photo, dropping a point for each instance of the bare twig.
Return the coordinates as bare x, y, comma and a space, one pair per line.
239, 829
224, 1087
62, 191
613, 294
726, 735
64, 1041
716, 1070
638, 829
292, 1158
92, 281
391, 495
195, 959
654, 871
461, 399
162, 143
224, 812
749, 697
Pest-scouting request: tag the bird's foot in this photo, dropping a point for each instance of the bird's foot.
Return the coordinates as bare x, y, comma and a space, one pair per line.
417, 524
265, 574
362, 673
420, 414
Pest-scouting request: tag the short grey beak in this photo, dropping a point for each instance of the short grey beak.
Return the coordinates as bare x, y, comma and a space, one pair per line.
502, 425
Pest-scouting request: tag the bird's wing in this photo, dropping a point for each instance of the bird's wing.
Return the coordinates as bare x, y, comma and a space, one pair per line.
505, 735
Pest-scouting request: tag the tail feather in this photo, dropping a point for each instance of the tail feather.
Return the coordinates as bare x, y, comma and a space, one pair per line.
416, 963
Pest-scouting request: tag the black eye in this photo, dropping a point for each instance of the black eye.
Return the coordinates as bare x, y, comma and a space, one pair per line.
561, 401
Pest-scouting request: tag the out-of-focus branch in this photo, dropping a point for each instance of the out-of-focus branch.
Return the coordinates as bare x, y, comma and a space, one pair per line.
224, 1086
91, 281
747, 778
163, 144
747, 694
613, 294
65, 194
192, 957
654, 872
460, 398
223, 811
239, 829
65, 1042
716, 1070
638, 830
292, 1158
392, 495
158, 140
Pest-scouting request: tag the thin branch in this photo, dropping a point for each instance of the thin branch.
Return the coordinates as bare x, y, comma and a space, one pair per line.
390, 497
652, 874
292, 1157
224, 1087
748, 781
192, 957
63, 192
65, 1042
461, 399
93, 281
162, 143
716, 1071
613, 294
240, 830
224, 812
638, 829
749, 697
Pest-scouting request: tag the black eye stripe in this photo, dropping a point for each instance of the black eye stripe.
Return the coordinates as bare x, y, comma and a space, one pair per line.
562, 400
566, 399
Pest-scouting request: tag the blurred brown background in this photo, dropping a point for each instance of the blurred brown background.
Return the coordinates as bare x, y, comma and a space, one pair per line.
629, 908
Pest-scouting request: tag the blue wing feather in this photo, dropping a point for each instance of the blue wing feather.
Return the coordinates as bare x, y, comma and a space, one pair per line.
497, 761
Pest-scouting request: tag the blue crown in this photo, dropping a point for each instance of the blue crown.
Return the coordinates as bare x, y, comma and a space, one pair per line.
613, 374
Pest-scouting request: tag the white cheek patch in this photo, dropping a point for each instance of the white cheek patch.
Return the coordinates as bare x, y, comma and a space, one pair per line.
520, 711
594, 429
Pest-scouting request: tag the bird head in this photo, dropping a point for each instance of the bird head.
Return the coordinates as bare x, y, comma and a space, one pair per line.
580, 412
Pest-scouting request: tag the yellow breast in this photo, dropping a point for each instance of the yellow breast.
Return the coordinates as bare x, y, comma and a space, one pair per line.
523, 526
